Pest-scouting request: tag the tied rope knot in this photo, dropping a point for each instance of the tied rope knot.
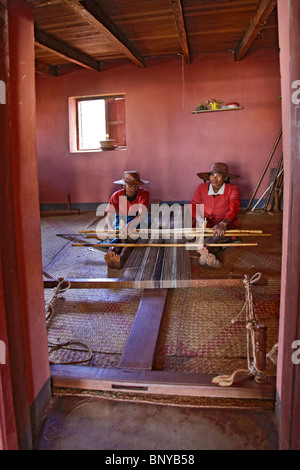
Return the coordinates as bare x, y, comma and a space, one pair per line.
62, 286
227, 380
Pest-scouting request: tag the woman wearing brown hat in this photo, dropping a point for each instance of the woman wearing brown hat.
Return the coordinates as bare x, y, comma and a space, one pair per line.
120, 207
222, 204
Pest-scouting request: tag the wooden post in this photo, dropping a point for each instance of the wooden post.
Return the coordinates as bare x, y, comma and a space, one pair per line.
288, 373
15, 407
260, 352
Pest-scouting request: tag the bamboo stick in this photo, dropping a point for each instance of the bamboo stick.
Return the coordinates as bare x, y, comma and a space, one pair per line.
265, 169
88, 235
159, 245
162, 231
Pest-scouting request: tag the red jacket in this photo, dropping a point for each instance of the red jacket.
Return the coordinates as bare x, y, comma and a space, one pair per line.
219, 207
142, 197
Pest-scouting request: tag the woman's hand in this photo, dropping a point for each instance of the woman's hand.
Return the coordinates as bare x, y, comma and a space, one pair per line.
220, 229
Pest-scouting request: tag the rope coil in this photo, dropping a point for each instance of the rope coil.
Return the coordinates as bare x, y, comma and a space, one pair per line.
62, 286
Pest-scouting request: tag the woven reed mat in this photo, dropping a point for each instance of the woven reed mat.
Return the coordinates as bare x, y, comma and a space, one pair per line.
196, 333
52, 225
99, 319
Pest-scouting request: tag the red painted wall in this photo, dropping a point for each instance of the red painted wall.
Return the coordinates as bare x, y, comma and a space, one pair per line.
26, 194
166, 142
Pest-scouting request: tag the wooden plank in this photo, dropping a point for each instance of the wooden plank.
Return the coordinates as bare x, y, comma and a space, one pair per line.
62, 49
95, 16
263, 10
140, 347
217, 110
119, 283
178, 14
42, 67
158, 382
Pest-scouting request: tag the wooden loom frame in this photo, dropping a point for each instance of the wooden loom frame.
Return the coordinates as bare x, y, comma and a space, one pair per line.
134, 372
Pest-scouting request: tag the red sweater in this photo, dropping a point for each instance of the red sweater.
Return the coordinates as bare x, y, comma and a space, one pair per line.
217, 208
142, 197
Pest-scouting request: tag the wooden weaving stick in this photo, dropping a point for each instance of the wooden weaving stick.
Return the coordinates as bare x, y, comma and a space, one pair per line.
180, 230
119, 283
159, 245
190, 234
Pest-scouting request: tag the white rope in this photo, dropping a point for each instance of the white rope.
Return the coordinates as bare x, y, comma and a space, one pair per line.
272, 355
62, 286
228, 380
59, 289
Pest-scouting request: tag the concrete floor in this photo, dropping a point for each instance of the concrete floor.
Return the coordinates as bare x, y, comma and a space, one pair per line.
92, 423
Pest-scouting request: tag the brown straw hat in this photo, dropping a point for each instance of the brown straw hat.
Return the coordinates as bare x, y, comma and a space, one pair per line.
217, 168
131, 177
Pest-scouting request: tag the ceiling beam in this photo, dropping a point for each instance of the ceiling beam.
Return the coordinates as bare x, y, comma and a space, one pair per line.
263, 10
42, 67
62, 49
43, 3
93, 14
178, 13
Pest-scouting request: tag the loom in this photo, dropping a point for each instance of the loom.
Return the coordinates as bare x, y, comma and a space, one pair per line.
155, 267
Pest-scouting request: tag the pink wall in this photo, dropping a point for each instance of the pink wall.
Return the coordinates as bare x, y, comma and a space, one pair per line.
26, 195
165, 141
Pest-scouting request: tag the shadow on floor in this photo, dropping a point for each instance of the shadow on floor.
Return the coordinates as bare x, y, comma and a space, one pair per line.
89, 423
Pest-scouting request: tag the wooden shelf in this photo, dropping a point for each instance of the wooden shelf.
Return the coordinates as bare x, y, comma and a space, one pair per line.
217, 110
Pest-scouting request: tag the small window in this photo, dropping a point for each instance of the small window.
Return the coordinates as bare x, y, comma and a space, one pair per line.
97, 117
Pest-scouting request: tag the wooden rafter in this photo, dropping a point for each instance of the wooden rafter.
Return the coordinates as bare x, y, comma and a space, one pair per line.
42, 67
45, 3
93, 14
263, 10
178, 13
62, 49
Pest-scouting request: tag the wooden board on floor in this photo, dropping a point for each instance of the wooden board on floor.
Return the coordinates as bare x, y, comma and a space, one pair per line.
158, 382
119, 283
141, 343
